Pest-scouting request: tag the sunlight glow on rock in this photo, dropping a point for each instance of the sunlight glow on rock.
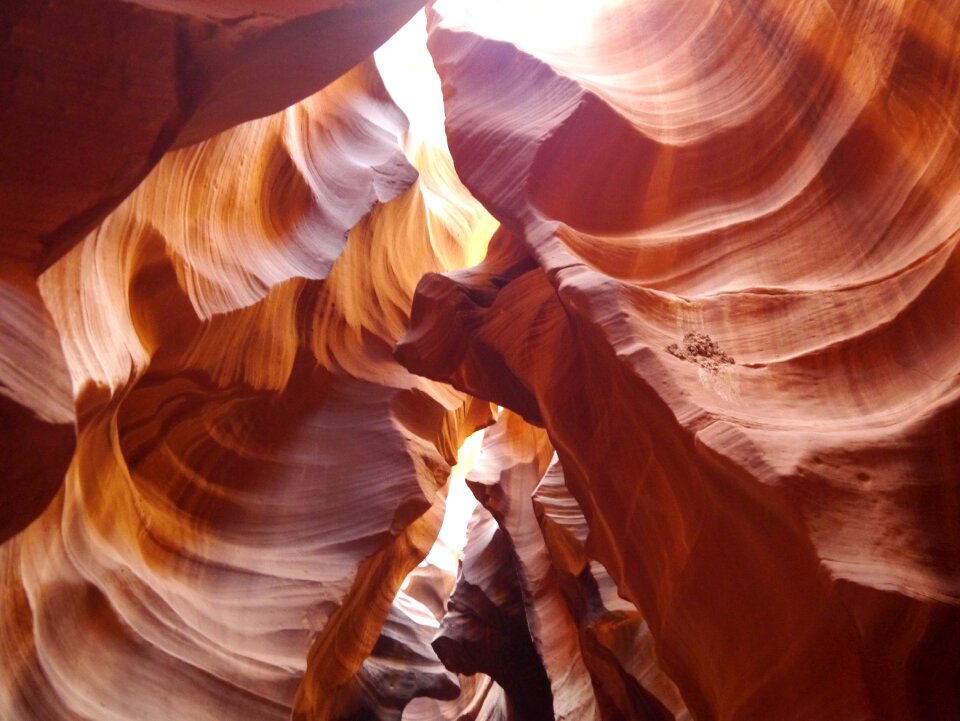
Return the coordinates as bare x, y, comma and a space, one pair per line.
531, 23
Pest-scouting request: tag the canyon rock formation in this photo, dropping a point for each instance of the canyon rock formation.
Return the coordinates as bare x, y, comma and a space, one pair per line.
665, 290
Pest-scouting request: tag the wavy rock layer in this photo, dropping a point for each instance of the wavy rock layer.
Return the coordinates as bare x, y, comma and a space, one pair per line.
36, 404
254, 476
564, 604
245, 341
485, 629
148, 76
94, 94
615, 641
779, 178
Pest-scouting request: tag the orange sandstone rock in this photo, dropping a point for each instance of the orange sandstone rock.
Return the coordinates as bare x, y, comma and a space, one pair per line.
786, 524
228, 420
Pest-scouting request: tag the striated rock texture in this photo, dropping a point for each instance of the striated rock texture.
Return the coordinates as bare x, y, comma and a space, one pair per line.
587, 680
259, 288
96, 92
254, 475
485, 629
778, 177
615, 641
93, 94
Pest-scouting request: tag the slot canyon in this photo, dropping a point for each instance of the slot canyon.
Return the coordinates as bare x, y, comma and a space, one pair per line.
482, 360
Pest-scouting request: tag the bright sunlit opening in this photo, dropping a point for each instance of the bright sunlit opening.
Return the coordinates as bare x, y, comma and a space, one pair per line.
447, 550
460, 505
412, 81
409, 76
528, 23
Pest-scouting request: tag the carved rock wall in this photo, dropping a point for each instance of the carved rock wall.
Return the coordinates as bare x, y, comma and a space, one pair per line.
777, 177
254, 299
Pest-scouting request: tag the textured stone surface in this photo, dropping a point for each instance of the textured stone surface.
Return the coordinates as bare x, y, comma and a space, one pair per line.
258, 288
108, 87
253, 475
779, 177
93, 94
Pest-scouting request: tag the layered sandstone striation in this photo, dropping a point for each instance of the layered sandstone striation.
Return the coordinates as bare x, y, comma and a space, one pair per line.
94, 94
778, 177
254, 475
259, 288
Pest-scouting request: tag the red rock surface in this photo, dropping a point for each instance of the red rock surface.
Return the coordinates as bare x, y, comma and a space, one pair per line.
254, 475
779, 178
93, 94
247, 331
